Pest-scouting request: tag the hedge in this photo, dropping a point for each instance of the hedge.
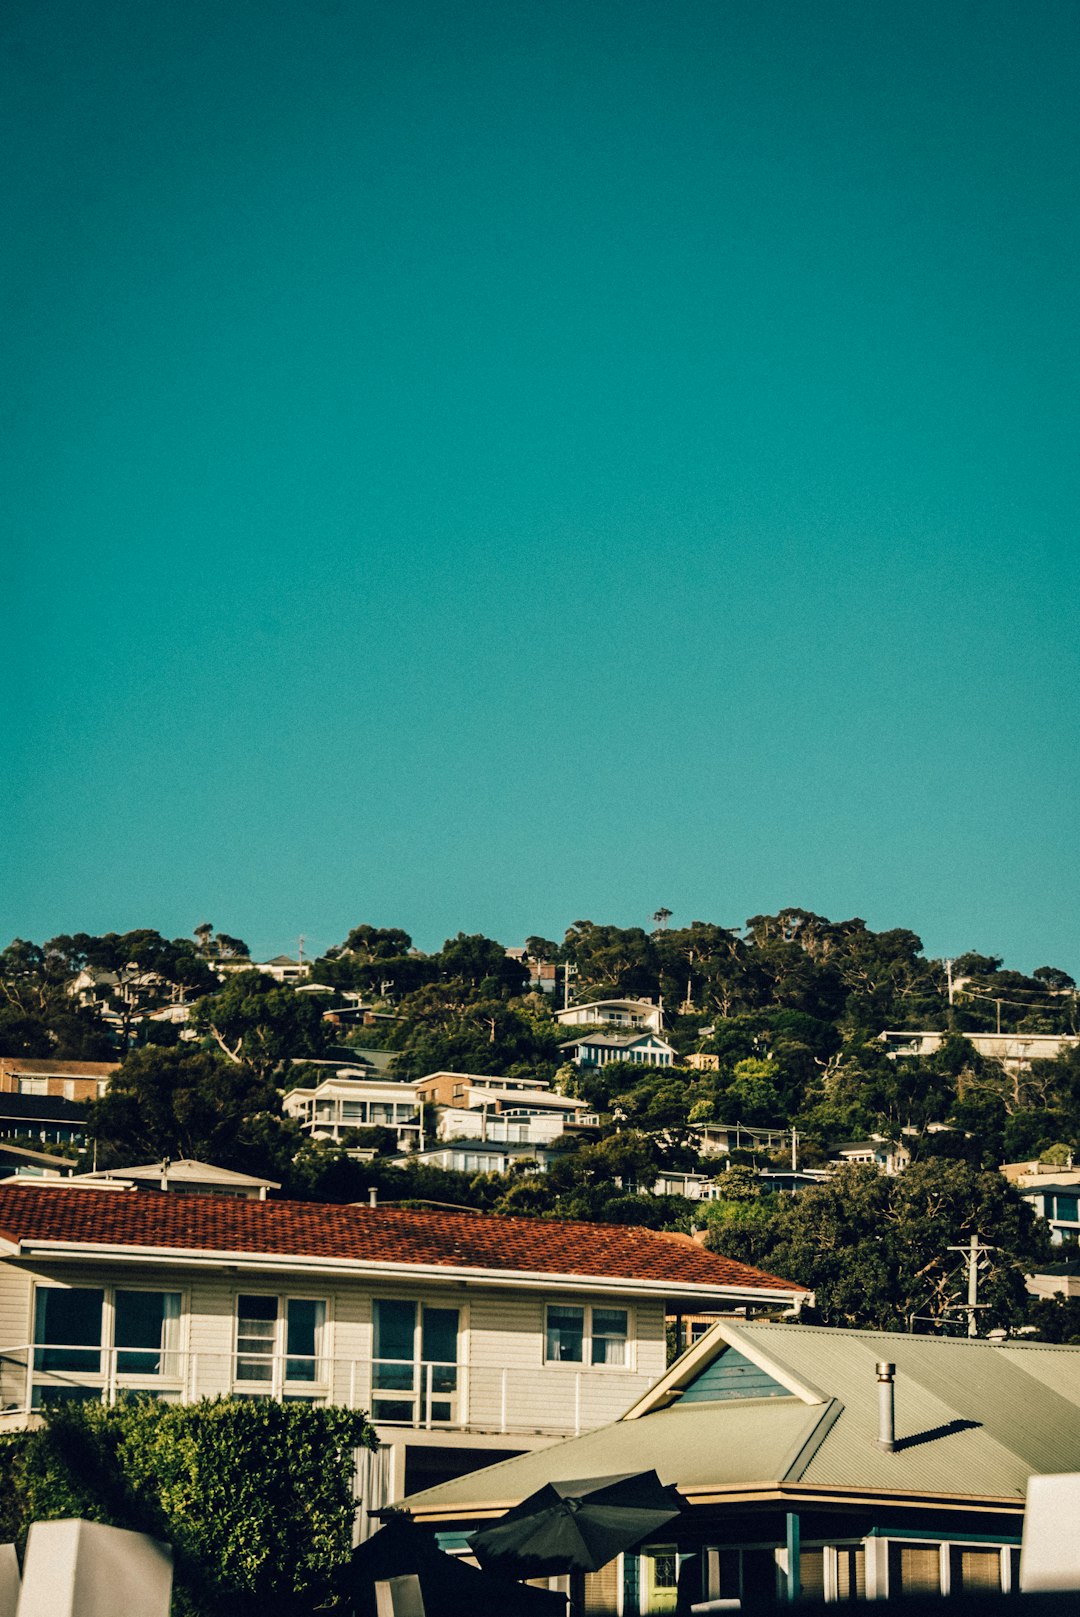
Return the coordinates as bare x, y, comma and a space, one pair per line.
255, 1497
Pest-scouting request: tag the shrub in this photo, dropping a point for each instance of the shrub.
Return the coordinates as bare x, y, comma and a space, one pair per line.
254, 1496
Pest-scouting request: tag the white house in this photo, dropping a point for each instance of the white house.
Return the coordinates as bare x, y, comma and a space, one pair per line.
467, 1337
614, 1013
876, 1152
1014, 1050
183, 1176
476, 1156
342, 1103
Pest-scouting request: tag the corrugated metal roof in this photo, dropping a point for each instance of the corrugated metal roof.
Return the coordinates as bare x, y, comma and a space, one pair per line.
679, 1443
974, 1419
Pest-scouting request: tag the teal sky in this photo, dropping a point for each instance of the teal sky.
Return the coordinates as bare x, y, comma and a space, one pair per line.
484, 464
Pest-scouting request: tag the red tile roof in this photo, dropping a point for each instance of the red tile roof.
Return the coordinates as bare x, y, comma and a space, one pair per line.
367, 1234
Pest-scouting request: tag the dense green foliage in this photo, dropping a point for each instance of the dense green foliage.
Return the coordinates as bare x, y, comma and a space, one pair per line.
254, 1496
876, 1249
782, 1018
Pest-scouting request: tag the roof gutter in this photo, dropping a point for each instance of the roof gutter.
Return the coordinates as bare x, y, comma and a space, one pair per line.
357, 1268
751, 1493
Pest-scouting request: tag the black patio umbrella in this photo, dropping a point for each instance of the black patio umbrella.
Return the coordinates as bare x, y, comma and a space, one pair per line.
450, 1587
576, 1526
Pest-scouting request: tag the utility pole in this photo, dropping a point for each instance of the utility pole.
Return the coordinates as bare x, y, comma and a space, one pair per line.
948, 975
973, 1254
794, 1150
301, 942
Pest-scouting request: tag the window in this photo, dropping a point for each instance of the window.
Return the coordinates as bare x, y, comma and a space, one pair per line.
609, 1336
415, 1373
90, 1341
914, 1569
68, 1328
279, 1340
146, 1332
1065, 1208
580, 1334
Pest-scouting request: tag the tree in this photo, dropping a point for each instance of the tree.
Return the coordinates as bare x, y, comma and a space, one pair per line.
143, 964
37, 1014
191, 1103
875, 1249
482, 964
262, 1024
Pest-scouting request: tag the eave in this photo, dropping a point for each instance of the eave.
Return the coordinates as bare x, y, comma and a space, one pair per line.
788, 1496
683, 1292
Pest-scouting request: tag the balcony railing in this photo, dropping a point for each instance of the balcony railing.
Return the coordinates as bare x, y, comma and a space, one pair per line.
559, 1400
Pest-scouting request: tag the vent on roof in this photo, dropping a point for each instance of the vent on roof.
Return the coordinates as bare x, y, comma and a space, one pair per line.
732, 1376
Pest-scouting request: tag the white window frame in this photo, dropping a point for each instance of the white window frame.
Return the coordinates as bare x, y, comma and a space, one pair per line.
278, 1386
586, 1360
108, 1380
422, 1416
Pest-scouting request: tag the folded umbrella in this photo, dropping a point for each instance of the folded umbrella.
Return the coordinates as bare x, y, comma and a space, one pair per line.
576, 1526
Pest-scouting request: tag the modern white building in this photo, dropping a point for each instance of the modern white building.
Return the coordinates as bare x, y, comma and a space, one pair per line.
341, 1103
1013, 1050
613, 1014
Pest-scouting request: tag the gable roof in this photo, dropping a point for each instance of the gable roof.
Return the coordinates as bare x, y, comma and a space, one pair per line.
974, 1420
620, 1041
647, 1261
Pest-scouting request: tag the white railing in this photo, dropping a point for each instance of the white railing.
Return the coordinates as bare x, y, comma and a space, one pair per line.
559, 1400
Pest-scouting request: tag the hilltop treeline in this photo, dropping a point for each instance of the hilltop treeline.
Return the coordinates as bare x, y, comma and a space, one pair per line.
788, 1010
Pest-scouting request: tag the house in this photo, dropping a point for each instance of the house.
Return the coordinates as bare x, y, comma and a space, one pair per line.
67, 1080
342, 1103
876, 1152
1057, 1200
697, 1187
467, 1088
468, 1337
283, 968
827, 1464
597, 1049
640, 1014
28, 1164
1055, 1279
521, 1111
720, 1139
1014, 1050
702, 1062
476, 1156
48, 1118
183, 1177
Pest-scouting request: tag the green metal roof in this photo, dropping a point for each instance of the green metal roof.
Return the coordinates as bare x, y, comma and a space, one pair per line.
973, 1419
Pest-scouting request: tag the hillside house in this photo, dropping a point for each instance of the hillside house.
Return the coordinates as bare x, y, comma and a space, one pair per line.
50, 1119
614, 1014
66, 1080
597, 1049
340, 1104
476, 1156
817, 1464
1014, 1050
876, 1152
466, 1336
182, 1176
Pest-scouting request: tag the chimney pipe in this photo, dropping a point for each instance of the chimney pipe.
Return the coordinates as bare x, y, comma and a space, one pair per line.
886, 1384
373, 1197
